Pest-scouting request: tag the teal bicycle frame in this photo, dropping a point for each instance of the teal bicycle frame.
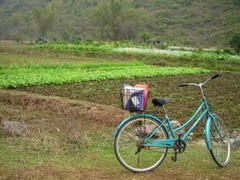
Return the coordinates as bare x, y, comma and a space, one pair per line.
202, 111
198, 116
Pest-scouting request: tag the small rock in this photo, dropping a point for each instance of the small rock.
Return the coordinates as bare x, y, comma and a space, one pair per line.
231, 140
13, 127
235, 134
236, 143
237, 138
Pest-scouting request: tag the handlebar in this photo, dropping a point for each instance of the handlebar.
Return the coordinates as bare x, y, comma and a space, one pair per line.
216, 76
188, 84
200, 84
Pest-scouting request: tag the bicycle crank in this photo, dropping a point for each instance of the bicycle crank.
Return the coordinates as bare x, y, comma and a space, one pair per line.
178, 147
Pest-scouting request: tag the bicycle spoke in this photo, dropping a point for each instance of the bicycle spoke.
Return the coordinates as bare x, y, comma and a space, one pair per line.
129, 156
138, 160
131, 136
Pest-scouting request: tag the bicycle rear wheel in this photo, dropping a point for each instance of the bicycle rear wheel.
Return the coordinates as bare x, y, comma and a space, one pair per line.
129, 148
220, 142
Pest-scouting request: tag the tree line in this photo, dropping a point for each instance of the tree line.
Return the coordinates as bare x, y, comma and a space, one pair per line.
109, 19
186, 22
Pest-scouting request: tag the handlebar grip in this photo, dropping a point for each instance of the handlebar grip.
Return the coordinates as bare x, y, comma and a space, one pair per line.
215, 76
183, 85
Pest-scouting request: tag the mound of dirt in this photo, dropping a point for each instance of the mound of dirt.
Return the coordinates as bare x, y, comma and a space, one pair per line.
57, 113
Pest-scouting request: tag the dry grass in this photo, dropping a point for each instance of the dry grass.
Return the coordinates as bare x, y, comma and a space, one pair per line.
101, 115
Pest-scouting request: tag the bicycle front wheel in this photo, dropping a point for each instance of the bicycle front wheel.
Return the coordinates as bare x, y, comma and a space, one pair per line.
129, 144
220, 142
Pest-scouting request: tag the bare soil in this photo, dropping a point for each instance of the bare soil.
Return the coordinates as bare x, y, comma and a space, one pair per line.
223, 93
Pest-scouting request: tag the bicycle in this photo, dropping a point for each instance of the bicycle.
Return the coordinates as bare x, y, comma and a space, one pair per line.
142, 140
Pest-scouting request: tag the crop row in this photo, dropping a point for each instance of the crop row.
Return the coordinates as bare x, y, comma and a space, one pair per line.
84, 46
126, 48
17, 76
178, 53
74, 48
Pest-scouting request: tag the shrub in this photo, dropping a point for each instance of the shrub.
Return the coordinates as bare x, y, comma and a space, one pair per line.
217, 51
235, 42
144, 36
236, 2
228, 51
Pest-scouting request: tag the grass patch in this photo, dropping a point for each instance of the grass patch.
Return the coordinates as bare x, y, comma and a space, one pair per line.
100, 156
133, 49
16, 76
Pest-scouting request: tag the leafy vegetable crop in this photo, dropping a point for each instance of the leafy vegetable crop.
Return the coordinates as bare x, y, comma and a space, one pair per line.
15, 76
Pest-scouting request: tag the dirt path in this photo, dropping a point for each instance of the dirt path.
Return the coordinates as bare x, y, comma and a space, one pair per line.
50, 173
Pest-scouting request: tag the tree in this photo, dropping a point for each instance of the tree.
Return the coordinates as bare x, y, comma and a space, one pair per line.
15, 25
144, 36
117, 20
235, 42
107, 16
45, 18
236, 2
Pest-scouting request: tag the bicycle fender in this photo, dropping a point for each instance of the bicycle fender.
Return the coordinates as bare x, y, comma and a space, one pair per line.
207, 131
133, 117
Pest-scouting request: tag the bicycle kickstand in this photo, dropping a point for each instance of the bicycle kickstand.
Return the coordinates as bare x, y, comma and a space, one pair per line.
177, 148
174, 158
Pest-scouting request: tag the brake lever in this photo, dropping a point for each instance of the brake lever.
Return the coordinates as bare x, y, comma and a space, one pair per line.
183, 85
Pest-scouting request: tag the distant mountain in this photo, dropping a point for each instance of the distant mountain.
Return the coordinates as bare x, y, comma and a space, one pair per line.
176, 22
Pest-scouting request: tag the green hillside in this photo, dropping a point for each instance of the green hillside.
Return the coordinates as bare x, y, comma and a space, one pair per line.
176, 22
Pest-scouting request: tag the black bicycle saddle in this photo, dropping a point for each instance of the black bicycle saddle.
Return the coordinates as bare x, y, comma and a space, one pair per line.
160, 101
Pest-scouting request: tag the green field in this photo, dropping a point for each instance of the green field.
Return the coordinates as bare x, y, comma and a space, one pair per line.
69, 100
17, 76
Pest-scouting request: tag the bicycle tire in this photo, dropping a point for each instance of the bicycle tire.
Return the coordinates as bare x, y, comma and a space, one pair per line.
220, 142
126, 143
